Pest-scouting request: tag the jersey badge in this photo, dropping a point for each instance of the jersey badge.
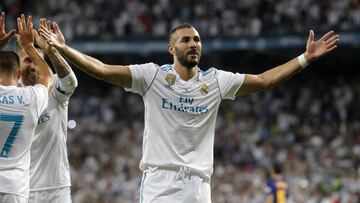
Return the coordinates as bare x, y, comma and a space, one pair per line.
204, 89
170, 78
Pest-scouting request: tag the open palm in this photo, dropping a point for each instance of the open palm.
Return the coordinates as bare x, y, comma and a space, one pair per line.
4, 36
55, 38
26, 33
41, 41
326, 44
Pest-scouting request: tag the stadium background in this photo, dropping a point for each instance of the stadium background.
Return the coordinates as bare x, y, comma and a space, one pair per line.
310, 123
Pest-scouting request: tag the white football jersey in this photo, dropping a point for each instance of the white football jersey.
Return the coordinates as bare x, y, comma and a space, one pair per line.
49, 168
180, 115
20, 108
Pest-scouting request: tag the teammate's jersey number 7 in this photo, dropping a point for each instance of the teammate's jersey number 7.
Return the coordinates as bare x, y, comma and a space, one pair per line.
18, 120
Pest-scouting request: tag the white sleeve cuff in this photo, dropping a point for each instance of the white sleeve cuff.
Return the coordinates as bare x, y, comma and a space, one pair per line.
67, 84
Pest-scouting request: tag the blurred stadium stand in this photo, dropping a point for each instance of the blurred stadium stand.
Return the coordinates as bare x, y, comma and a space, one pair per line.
311, 123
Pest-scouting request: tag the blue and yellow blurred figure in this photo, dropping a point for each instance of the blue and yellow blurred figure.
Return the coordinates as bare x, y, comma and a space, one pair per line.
277, 189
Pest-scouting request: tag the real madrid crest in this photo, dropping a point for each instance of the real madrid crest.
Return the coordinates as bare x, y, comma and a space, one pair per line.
170, 78
204, 89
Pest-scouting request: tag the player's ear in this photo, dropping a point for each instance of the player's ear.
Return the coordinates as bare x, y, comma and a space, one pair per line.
18, 74
171, 49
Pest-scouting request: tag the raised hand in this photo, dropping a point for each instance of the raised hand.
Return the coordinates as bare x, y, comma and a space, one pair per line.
55, 38
40, 40
316, 49
4, 36
26, 32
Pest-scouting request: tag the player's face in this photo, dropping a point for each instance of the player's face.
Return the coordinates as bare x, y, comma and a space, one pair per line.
29, 73
188, 47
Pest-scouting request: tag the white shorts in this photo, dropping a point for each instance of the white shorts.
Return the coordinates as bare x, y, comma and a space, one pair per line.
11, 198
58, 195
6, 197
164, 186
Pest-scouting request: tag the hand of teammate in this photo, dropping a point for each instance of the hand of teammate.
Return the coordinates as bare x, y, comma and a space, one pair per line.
4, 37
316, 49
40, 40
26, 32
55, 38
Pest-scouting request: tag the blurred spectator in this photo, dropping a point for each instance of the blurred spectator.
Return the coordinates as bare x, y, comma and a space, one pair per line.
113, 19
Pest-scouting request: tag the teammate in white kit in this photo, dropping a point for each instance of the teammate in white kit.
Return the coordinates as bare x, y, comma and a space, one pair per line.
49, 168
20, 108
181, 104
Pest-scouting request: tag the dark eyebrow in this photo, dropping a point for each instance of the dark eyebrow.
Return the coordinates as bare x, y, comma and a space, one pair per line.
188, 37
185, 37
27, 58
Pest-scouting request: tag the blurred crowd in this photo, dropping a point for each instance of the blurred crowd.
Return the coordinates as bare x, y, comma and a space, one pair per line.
312, 127
113, 19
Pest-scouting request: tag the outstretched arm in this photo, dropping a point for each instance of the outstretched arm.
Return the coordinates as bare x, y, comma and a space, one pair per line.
67, 80
273, 77
4, 36
26, 40
114, 74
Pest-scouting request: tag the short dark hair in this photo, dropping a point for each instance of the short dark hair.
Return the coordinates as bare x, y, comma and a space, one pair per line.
179, 27
9, 62
277, 167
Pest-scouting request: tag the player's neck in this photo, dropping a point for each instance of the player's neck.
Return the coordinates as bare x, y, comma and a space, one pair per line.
8, 81
184, 72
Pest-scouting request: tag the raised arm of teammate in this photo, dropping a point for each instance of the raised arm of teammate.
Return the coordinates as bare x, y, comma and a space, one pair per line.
4, 36
26, 40
273, 77
67, 82
114, 74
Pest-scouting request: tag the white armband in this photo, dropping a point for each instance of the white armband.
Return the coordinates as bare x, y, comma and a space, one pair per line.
67, 84
302, 60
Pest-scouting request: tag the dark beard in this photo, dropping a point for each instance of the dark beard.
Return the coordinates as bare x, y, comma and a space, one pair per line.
187, 63
29, 77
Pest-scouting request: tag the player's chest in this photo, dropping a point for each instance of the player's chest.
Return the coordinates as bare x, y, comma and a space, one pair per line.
171, 85
54, 109
193, 97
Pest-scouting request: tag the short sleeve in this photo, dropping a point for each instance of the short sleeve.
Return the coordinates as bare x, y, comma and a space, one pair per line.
60, 94
142, 77
41, 93
229, 83
64, 87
